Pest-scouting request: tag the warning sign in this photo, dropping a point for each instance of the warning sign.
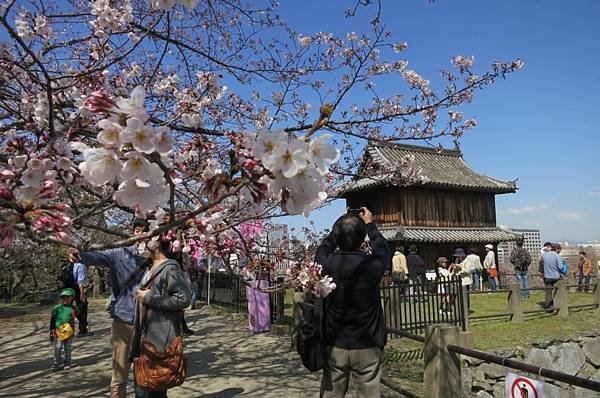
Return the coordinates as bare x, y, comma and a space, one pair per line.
523, 387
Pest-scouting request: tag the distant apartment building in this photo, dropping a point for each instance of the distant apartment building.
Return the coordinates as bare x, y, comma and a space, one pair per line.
532, 242
275, 238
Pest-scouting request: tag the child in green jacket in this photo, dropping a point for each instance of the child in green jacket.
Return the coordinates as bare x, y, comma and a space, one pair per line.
62, 325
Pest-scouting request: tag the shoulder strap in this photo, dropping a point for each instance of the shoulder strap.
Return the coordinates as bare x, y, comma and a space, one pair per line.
147, 285
130, 278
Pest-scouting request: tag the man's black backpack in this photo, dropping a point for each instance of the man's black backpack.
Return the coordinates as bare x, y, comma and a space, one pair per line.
309, 340
65, 277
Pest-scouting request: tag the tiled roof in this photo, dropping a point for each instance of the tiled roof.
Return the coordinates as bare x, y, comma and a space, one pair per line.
441, 168
448, 235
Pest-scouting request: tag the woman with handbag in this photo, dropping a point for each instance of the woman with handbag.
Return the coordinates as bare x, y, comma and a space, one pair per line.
157, 343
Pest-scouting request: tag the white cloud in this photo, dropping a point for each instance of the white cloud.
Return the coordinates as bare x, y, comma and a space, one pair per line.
594, 194
524, 209
571, 216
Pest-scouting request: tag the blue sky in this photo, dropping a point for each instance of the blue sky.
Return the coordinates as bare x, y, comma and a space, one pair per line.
538, 125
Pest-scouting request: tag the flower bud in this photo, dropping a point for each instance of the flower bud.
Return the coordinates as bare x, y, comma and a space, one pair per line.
99, 102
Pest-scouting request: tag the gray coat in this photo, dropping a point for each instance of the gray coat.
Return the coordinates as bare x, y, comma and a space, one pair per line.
169, 294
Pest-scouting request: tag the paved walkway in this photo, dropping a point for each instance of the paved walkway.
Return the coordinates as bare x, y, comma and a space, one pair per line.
224, 360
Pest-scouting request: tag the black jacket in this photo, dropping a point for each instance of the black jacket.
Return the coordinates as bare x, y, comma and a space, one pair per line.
416, 265
353, 314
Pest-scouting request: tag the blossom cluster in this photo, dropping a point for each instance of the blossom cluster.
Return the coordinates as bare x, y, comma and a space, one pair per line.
127, 140
110, 18
298, 167
258, 268
169, 4
308, 276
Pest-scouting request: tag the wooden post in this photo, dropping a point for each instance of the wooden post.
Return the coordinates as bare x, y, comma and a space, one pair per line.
298, 316
465, 302
515, 304
95, 282
559, 297
596, 294
281, 301
442, 368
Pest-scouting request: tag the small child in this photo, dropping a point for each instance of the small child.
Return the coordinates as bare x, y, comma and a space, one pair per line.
62, 325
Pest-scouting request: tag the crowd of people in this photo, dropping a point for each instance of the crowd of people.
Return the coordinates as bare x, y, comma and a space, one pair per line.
150, 291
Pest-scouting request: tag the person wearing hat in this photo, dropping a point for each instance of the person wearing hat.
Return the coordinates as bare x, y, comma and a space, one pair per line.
461, 267
489, 263
62, 326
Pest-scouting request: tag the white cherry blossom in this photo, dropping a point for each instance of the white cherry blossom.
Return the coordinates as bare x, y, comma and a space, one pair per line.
43, 28
134, 105
191, 119
266, 141
142, 196
18, 161
136, 166
33, 177
189, 4
101, 166
322, 153
24, 31
141, 136
288, 158
164, 141
25, 193
110, 134
305, 41
163, 4
63, 163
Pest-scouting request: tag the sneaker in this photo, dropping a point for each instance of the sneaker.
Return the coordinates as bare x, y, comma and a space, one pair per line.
55, 368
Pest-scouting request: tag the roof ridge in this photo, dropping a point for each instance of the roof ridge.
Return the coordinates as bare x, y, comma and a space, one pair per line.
417, 148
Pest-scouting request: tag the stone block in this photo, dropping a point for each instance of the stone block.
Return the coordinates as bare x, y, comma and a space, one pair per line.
478, 375
499, 390
569, 359
472, 361
493, 371
466, 378
586, 371
591, 349
584, 392
553, 391
483, 394
539, 357
479, 385
541, 343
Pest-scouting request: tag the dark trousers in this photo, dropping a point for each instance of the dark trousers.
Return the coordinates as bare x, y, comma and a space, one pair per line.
584, 282
363, 366
82, 309
549, 282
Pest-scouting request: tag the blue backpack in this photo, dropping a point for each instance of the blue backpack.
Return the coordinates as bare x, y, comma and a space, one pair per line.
565, 268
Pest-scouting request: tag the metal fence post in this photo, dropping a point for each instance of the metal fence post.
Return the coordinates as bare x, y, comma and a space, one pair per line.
515, 304
441, 378
560, 298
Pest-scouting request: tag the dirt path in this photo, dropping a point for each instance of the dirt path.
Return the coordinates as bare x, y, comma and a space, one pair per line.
224, 360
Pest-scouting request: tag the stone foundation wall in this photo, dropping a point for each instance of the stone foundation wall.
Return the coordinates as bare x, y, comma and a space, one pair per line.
577, 355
